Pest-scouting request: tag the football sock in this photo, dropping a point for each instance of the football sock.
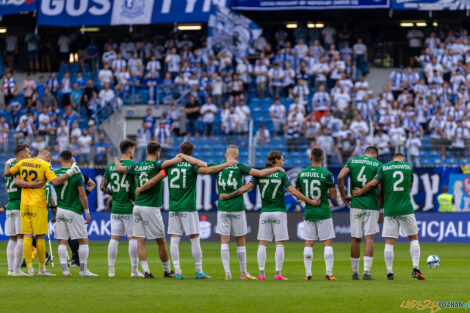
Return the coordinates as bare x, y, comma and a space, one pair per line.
225, 255
11, 255
355, 264
367, 264
197, 254
279, 256
112, 254
415, 252
27, 251
62, 250
388, 256
145, 266
41, 247
261, 259
133, 255
329, 259
308, 258
83, 252
175, 253
166, 266
241, 254
18, 254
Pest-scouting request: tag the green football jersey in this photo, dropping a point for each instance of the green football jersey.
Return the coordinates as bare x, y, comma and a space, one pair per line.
48, 193
144, 171
272, 191
182, 180
13, 192
362, 170
122, 188
228, 180
396, 178
67, 193
314, 183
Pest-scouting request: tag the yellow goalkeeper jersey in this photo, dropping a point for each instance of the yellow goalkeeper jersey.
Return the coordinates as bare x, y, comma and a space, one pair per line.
31, 170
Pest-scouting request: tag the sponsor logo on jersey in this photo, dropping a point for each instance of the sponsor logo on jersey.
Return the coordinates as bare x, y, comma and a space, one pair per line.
271, 221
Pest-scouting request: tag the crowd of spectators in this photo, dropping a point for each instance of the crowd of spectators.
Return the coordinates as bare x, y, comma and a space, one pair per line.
313, 82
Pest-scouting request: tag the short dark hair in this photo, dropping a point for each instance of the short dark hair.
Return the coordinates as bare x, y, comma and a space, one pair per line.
125, 145
397, 155
153, 147
66, 155
187, 148
317, 154
372, 150
20, 148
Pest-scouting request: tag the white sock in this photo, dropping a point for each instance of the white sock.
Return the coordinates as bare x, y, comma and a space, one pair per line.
367, 264
388, 256
225, 255
62, 250
197, 254
329, 259
175, 253
133, 255
18, 254
11, 255
166, 266
261, 259
112, 254
83, 252
279, 256
355, 265
308, 259
241, 254
145, 266
415, 252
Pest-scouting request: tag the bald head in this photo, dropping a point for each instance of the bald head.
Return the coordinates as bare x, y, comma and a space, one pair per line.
232, 152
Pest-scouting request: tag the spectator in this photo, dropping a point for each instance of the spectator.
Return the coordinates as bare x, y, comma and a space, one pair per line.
277, 111
262, 136
327, 144
85, 142
143, 138
413, 145
153, 66
172, 61
382, 142
4, 131
461, 134
162, 136
347, 147
53, 84
292, 133
192, 110
244, 115
217, 89
174, 117
320, 102
109, 56
152, 82
106, 95
415, 38
208, 112
64, 48
105, 75
329, 35
311, 127
100, 151
92, 55
66, 88
32, 41
360, 56
276, 78
261, 76
63, 135
38, 144
11, 50
229, 120
76, 97
76, 132
9, 88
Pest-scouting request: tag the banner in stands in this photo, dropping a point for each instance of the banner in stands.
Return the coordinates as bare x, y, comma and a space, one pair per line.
431, 5
459, 186
268, 5
232, 31
124, 12
17, 6
438, 227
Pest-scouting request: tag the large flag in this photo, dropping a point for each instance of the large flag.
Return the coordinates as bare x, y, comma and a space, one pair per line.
231, 31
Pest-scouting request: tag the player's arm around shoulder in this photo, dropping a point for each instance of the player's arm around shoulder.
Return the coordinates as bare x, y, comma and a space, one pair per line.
151, 182
300, 196
238, 192
24, 184
341, 176
9, 170
119, 167
176, 160
217, 168
265, 172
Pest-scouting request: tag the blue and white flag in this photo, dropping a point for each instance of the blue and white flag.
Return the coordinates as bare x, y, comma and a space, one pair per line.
17, 6
231, 31
132, 12
431, 5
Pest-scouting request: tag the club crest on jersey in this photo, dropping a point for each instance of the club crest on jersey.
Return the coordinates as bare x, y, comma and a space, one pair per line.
132, 8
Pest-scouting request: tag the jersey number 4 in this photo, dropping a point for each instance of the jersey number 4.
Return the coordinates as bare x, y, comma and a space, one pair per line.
116, 185
361, 177
229, 182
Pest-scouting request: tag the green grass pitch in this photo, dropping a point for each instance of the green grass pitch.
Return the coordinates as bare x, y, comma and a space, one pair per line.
123, 294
